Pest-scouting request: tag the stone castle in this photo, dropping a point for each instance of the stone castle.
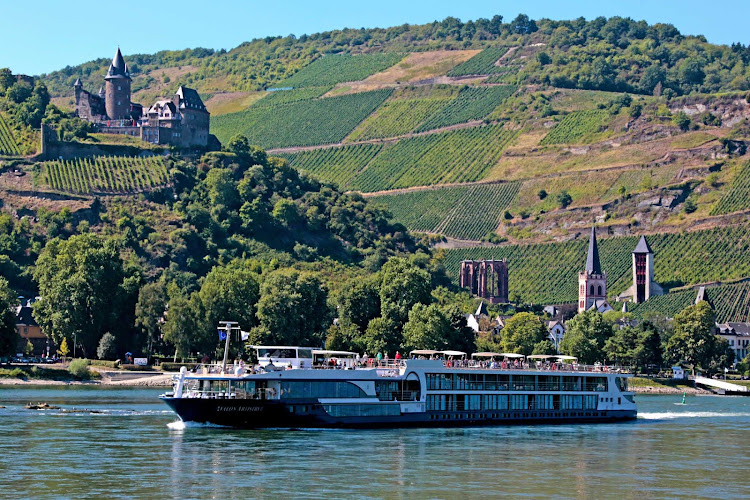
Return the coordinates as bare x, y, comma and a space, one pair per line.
180, 121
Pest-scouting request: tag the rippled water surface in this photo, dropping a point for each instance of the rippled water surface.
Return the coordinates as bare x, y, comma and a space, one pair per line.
115, 442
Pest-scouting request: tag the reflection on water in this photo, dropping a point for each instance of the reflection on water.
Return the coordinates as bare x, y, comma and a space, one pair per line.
123, 442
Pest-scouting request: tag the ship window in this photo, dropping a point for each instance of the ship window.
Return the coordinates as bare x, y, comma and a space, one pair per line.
362, 410
320, 389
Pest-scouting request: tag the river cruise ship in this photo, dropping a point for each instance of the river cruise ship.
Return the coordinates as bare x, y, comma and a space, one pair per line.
287, 389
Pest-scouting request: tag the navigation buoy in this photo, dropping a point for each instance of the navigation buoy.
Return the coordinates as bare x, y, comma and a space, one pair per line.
683, 398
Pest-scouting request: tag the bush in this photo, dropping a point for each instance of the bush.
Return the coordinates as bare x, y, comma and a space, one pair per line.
136, 368
105, 363
681, 120
175, 367
79, 368
107, 347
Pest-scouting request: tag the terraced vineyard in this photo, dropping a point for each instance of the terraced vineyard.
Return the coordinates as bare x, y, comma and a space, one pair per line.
8, 144
291, 95
463, 212
333, 69
458, 156
337, 165
106, 174
737, 197
547, 274
576, 126
481, 64
731, 302
472, 103
505, 74
302, 123
396, 118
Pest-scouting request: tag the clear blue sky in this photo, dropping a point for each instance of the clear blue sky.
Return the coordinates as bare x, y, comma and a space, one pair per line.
38, 36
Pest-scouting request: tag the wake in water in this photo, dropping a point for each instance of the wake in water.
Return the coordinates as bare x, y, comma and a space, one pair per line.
181, 426
669, 415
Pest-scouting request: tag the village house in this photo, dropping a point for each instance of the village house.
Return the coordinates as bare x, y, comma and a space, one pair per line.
29, 331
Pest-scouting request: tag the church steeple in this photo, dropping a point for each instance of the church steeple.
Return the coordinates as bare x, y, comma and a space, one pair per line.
592, 281
592, 259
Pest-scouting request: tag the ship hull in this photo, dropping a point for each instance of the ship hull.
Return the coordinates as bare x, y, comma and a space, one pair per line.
263, 414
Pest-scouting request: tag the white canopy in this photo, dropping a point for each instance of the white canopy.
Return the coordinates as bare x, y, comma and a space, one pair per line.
512, 355
453, 353
334, 353
573, 358
540, 356
424, 352
485, 354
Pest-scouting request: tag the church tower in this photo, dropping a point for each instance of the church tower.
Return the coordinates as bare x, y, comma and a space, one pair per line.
644, 286
117, 89
592, 282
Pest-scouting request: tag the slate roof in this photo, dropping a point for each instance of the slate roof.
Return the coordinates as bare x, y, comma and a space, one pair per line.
593, 265
189, 98
643, 246
118, 68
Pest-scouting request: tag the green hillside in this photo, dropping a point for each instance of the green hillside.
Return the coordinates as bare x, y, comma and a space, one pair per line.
106, 174
8, 144
731, 303
300, 123
333, 69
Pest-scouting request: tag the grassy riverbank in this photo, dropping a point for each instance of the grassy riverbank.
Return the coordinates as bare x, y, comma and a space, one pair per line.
98, 375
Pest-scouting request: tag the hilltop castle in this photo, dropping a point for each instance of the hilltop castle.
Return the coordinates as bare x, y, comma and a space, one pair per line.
181, 121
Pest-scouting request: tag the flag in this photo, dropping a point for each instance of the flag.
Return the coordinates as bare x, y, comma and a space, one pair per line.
245, 335
222, 335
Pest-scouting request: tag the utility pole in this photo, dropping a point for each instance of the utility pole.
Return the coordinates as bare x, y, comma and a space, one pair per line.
227, 326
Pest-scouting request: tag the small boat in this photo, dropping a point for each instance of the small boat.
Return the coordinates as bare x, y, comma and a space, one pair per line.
287, 389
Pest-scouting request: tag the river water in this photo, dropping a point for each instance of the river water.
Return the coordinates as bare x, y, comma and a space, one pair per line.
125, 443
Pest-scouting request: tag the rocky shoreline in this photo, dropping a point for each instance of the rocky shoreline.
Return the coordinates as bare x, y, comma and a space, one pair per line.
160, 380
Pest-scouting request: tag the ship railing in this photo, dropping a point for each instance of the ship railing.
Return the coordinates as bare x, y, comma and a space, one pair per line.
547, 367
260, 393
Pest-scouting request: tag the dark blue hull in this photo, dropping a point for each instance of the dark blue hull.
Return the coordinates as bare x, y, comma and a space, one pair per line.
259, 414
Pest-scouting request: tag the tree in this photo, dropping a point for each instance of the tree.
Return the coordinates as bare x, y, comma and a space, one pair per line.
382, 335
522, 25
85, 291
228, 293
180, 326
293, 309
107, 347
522, 332
620, 347
401, 286
690, 72
150, 311
63, 350
427, 328
564, 199
542, 194
585, 338
359, 302
648, 347
544, 347
8, 332
681, 120
693, 341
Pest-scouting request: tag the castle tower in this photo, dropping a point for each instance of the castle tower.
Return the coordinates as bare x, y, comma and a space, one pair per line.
592, 282
117, 89
643, 271
77, 88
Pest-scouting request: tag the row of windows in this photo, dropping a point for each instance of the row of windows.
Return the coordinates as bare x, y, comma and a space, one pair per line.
363, 410
452, 402
506, 382
477, 416
319, 389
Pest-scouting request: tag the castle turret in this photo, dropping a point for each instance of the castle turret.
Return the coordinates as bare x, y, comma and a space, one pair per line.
592, 282
77, 88
117, 89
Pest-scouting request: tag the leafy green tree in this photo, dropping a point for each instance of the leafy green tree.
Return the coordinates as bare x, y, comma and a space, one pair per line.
462, 336
690, 72
564, 199
648, 347
8, 332
285, 212
522, 25
544, 347
85, 291
681, 120
107, 348
293, 309
401, 286
222, 190
63, 350
620, 347
382, 335
587, 332
427, 328
652, 76
228, 293
693, 341
359, 302
150, 311
522, 332
181, 324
